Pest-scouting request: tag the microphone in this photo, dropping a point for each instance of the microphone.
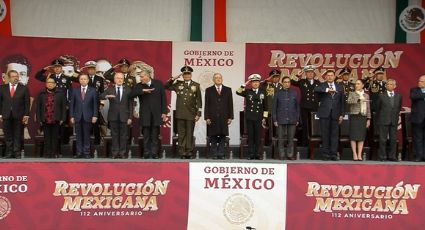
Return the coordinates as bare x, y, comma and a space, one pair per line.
250, 228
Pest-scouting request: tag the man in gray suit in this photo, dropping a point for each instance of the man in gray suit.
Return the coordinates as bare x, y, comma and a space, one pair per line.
119, 114
388, 108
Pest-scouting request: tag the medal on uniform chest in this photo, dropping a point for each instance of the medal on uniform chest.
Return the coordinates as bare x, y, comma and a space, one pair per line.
261, 96
305, 84
270, 91
180, 87
375, 88
63, 80
193, 88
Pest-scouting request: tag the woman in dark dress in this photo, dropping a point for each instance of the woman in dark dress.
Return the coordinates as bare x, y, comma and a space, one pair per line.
359, 110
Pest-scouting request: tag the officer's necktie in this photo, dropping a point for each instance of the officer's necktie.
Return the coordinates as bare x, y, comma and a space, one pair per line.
119, 92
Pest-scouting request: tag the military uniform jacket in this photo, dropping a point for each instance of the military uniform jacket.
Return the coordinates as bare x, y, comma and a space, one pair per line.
97, 83
270, 89
347, 87
129, 81
63, 83
254, 103
218, 108
309, 99
375, 88
189, 98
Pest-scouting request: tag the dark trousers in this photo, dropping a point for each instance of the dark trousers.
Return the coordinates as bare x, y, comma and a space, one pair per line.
418, 131
119, 133
286, 132
13, 136
329, 129
185, 136
150, 140
387, 132
217, 145
253, 128
82, 133
51, 134
305, 124
96, 131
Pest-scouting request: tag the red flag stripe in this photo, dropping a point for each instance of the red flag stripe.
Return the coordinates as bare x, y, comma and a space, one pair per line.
220, 21
5, 27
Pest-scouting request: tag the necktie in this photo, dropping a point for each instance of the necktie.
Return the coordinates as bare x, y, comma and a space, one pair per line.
119, 92
391, 94
218, 90
12, 91
83, 93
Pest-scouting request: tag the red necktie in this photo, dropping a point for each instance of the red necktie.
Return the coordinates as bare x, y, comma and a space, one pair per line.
12, 91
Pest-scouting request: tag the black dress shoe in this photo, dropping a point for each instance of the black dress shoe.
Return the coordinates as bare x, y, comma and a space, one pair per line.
251, 158
87, 156
291, 158
334, 158
9, 156
146, 157
221, 158
182, 157
325, 158
155, 156
77, 156
418, 160
393, 159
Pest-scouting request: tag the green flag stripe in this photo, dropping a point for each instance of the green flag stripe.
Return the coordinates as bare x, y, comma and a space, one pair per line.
400, 34
196, 21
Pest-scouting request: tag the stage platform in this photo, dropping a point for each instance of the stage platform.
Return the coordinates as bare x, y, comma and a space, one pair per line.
171, 193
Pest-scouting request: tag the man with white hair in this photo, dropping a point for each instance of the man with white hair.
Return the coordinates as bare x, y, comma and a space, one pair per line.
417, 96
388, 107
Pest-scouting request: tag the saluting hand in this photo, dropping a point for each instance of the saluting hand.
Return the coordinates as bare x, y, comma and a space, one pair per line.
25, 120
208, 121
229, 121
129, 122
196, 118
93, 120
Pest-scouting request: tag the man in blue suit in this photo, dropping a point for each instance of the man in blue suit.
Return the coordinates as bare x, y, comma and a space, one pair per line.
83, 112
330, 113
417, 96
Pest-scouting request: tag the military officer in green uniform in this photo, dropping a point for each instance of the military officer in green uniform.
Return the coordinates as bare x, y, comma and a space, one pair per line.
346, 84
270, 86
375, 85
188, 109
123, 67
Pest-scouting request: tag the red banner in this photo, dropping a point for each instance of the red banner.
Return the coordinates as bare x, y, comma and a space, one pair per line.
403, 62
33, 54
94, 195
331, 196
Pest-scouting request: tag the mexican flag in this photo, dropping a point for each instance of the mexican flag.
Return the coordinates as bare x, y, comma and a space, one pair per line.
5, 27
208, 21
410, 23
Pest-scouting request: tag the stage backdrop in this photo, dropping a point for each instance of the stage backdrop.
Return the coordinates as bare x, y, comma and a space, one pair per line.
404, 63
37, 53
206, 59
236, 61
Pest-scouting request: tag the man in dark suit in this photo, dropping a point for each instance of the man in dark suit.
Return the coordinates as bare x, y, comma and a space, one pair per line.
254, 114
50, 113
95, 82
417, 96
218, 114
119, 114
330, 113
84, 109
309, 101
188, 108
388, 106
14, 108
152, 111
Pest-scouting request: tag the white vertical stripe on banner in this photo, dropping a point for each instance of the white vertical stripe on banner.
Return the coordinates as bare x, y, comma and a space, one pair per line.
208, 20
413, 37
